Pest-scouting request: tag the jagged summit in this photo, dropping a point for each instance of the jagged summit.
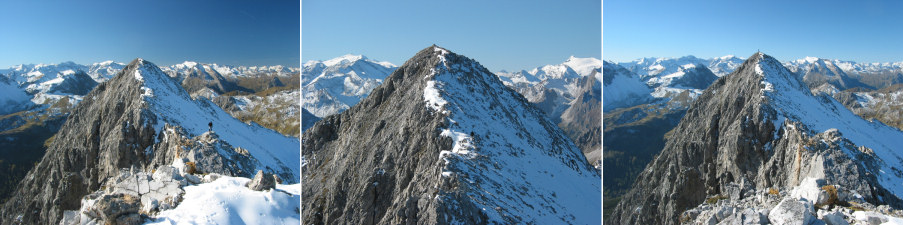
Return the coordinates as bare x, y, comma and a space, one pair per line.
173, 105
774, 74
759, 128
442, 140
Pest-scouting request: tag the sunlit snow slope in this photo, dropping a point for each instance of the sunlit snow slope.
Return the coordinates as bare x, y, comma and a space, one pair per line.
173, 105
792, 100
500, 130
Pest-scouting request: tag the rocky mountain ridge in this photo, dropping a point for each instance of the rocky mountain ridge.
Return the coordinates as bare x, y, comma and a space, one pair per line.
37, 99
758, 128
443, 141
141, 120
656, 114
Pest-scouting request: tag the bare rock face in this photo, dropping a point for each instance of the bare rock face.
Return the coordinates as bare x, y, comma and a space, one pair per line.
212, 155
262, 182
104, 133
206, 152
581, 120
116, 209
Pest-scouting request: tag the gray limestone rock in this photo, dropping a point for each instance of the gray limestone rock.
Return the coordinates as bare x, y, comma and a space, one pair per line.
834, 218
117, 209
207, 152
262, 182
792, 211
581, 120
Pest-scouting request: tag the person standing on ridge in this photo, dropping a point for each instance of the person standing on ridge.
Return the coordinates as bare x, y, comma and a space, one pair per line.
210, 125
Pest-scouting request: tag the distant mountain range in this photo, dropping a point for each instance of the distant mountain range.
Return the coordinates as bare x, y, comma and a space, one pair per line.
50, 82
335, 85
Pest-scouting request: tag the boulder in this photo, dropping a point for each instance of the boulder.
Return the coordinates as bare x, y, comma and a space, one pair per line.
117, 209
792, 211
210, 177
262, 181
834, 218
870, 218
166, 173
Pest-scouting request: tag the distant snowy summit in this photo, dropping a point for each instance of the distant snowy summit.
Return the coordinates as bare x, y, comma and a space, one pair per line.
229, 71
663, 66
573, 67
102, 71
334, 85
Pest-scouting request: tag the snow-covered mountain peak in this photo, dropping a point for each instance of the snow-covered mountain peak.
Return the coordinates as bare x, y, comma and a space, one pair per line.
344, 59
774, 73
791, 99
171, 104
583, 66
687, 66
808, 59
621, 87
155, 82
108, 62
478, 105
726, 57
342, 82
186, 64
479, 141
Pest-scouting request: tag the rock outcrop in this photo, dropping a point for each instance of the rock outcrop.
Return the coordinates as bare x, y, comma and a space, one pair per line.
442, 141
582, 120
262, 182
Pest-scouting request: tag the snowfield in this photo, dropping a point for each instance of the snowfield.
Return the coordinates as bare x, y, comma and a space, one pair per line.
228, 201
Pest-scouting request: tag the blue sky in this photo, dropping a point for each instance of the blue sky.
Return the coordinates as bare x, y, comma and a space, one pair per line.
862, 31
510, 35
162, 31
